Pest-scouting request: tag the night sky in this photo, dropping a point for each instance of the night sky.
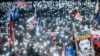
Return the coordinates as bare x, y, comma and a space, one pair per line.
36, 0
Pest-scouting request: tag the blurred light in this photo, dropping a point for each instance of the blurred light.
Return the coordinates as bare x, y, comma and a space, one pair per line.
6, 44
45, 43
40, 51
18, 33
12, 49
62, 35
21, 44
36, 50
20, 26
40, 39
20, 19
16, 48
23, 34
29, 36
25, 44
8, 54
56, 54
16, 42
41, 46
3, 55
60, 40
24, 52
30, 44
48, 41
4, 48
33, 47
8, 39
65, 44
66, 37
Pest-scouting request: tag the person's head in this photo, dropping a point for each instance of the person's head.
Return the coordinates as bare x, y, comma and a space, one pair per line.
74, 12
84, 45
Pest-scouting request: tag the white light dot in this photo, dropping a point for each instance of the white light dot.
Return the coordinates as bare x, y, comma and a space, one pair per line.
4, 49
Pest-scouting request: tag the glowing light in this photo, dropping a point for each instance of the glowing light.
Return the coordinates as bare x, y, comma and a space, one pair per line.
28, 35
6, 44
41, 46
23, 34
16, 42
3, 55
20, 44
24, 52
18, 33
45, 52
7, 54
66, 37
16, 48
56, 54
12, 50
4, 49
36, 50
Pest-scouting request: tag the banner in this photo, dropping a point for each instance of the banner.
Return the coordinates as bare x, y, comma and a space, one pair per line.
84, 45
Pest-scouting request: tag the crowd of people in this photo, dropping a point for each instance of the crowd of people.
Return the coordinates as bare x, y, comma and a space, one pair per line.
54, 27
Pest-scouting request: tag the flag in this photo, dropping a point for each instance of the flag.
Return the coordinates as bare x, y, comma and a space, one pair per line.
97, 14
11, 16
20, 2
13, 12
38, 27
11, 32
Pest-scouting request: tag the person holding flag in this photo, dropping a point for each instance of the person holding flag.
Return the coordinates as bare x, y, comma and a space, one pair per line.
34, 23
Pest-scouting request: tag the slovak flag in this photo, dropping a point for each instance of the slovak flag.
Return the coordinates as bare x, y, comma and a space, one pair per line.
11, 16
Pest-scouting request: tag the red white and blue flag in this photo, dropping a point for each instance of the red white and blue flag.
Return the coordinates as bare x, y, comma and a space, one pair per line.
11, 16
20, 2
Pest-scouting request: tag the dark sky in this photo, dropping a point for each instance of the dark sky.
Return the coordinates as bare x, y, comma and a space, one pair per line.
35, 0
